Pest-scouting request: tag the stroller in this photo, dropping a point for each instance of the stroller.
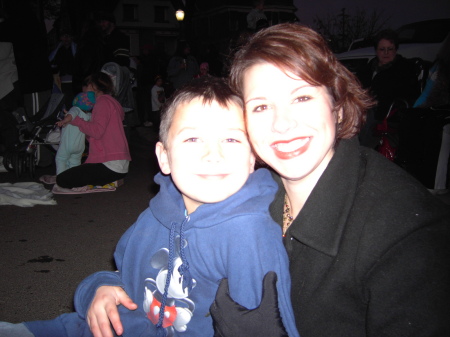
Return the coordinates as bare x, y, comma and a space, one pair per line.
35, 146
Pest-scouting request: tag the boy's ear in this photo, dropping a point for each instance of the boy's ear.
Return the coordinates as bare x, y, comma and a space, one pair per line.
163, 158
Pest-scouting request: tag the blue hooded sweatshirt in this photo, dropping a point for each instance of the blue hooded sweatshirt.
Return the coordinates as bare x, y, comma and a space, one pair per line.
235, 239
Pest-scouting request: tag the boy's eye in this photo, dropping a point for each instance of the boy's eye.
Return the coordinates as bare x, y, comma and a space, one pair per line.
191, 140
302, 99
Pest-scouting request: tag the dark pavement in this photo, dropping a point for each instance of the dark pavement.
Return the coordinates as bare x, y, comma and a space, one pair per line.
47, 250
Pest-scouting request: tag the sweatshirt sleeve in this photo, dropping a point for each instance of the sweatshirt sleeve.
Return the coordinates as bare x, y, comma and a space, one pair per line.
101, 115
77, 112
85, 292
262, 253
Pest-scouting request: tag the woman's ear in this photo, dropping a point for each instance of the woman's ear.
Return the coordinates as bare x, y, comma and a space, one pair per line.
340, 116
163, 158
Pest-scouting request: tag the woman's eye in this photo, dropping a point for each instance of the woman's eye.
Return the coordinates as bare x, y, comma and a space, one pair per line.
260, 108
302, 99
232, 140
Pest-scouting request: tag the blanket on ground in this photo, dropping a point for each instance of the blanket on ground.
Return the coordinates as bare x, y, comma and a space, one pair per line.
25, 194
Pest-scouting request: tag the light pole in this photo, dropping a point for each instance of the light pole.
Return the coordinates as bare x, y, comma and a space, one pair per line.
180, 17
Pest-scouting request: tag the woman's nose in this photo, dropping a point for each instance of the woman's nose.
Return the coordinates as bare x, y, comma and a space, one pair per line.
282, 122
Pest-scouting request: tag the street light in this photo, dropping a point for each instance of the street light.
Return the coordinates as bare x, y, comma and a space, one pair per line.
180, 15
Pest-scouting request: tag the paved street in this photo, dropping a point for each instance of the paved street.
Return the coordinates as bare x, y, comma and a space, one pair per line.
47, 250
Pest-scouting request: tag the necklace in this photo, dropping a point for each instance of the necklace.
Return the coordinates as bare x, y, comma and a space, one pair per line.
287, 217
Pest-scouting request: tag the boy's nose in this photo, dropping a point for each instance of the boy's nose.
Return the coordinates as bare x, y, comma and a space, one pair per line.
213, 152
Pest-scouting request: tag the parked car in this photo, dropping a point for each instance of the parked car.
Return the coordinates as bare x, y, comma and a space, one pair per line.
419, 39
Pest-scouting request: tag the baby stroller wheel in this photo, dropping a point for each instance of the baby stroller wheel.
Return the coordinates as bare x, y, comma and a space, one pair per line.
18, 163
31, 164
7, 161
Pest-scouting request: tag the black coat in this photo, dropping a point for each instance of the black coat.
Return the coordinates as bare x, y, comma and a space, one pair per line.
369, 252
396, 80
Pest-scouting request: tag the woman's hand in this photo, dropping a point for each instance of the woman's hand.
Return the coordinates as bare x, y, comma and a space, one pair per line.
67, 119
103, 310
230, 319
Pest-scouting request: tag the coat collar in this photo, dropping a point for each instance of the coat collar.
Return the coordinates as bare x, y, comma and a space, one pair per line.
321, 222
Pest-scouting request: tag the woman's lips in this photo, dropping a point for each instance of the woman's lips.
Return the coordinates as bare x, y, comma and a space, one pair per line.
291, 148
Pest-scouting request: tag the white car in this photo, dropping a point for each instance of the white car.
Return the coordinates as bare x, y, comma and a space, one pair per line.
419, 39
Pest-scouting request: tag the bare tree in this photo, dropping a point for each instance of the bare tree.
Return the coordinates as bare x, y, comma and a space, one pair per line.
343, 28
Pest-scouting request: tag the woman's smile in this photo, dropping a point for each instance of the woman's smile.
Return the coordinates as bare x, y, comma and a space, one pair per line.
291, 148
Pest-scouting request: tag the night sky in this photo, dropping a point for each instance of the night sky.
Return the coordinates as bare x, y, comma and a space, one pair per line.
399, 11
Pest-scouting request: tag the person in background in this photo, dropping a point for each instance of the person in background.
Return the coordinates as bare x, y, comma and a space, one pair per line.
109, 156
158, 99
256, 14
62, 60
116, 43
71, 146
72, 143
90, 56
182, 66
436, 96
10, 97
388, 76
204, 70
28, 36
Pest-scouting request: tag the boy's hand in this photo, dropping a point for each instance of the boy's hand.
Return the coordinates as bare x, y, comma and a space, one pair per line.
67, 119
103, 310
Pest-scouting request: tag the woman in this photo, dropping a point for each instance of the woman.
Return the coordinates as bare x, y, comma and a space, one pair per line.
368, 245
109, 157
389, 77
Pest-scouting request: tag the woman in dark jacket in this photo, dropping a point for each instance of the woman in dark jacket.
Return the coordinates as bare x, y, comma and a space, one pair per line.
368, 245
389, 75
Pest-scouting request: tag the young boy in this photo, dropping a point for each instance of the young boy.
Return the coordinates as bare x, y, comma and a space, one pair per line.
209, 221
158, 99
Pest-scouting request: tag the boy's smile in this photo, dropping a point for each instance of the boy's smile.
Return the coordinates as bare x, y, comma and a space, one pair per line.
208, 154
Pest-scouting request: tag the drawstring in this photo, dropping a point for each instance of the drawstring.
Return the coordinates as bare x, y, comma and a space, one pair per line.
161, 331
183, 270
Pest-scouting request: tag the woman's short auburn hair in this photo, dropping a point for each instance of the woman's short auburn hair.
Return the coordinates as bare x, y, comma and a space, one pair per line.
301, 51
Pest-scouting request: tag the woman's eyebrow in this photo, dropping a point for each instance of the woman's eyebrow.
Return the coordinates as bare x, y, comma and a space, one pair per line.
306, 85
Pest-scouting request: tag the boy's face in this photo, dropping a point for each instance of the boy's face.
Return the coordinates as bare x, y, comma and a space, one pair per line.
208, 154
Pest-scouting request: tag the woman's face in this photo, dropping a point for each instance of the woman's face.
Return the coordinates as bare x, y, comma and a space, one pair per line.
290, 122
386, 52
